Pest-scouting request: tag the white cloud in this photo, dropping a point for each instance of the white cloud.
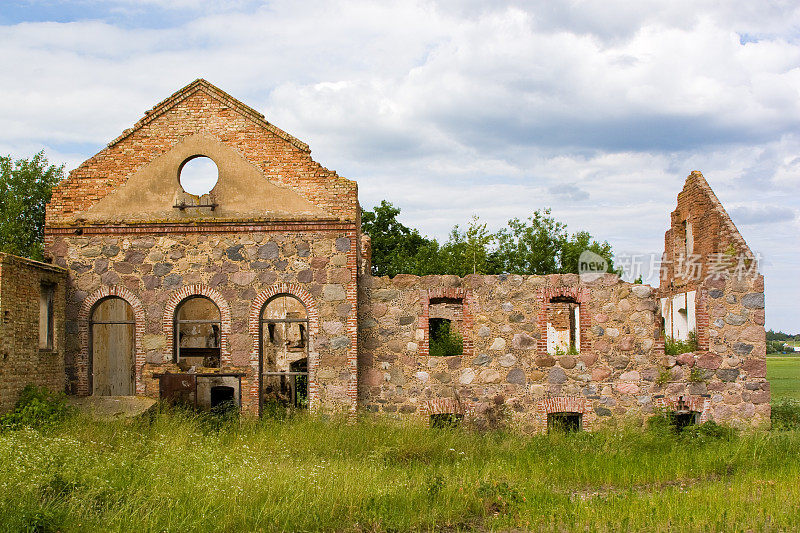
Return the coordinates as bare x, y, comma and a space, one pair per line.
597, 109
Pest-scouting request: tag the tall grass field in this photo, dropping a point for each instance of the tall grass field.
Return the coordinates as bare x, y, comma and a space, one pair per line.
180, 472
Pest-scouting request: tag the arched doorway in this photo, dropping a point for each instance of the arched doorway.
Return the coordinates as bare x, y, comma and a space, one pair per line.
283, 360
112, 328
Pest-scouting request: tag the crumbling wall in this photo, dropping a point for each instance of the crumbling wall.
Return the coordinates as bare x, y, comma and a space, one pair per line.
708, 265
618, 372
22, 361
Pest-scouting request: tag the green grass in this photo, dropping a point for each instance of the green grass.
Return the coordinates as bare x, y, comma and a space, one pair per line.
783, 372
182, 473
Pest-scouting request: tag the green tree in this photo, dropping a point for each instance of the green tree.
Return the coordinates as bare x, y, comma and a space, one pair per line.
573, 247
538, 245
396, 248
532, 246
25, 188
467, 252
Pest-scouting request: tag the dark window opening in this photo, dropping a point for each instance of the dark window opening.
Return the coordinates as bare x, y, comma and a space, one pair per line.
46, 317
446, 420
684, 419
223, 398
564, 422
284, 354
197, 343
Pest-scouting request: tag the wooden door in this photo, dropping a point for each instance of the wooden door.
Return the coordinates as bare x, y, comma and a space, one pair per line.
112, 336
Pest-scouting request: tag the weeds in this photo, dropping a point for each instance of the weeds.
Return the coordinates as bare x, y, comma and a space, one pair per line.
664, 376
674, 346
177, 471
786, 415
696, 375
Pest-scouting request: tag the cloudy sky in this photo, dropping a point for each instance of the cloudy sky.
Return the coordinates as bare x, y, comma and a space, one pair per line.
598, 110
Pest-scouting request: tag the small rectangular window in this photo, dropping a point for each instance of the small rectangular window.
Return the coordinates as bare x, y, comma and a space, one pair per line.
46, 319
446, 420
565, 422
445, 326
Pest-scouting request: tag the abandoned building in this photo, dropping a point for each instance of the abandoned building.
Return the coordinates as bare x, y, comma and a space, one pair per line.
258, 292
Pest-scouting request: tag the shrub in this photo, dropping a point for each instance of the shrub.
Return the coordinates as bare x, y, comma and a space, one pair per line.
444, 341
674, 346
36, 407
786, 414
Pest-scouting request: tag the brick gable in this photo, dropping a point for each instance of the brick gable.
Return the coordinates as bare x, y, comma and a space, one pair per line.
201, 108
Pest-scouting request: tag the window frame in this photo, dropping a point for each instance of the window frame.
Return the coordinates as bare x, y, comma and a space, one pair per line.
47, 290
305, 335
176, 323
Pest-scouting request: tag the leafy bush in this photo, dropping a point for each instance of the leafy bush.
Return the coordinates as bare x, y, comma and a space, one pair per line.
36, 407
444, 341
674, 346
786, 414
709, 431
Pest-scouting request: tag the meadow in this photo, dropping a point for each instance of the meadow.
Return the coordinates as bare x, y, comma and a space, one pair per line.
175, 471
783, 373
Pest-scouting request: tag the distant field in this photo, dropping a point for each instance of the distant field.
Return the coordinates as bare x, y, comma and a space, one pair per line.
783, 373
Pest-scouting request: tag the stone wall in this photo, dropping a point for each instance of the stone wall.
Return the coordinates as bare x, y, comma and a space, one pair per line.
618, 372
239, 272
21, 360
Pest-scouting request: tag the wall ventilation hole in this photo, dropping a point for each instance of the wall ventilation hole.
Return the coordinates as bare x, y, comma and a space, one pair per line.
198, 175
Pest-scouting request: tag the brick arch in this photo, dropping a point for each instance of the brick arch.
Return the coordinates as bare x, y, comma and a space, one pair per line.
468, 310
581, 295
698, 404
564, 404
254, 327
84, 314
440, 406
168, 322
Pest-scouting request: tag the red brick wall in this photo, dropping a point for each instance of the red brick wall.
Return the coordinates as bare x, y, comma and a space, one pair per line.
21, 360
202, 108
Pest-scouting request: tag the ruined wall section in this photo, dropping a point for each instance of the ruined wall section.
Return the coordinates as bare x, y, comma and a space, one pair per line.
731, 373
201, 108
22, 362
618, 372
713, 263
712, 237
242, 268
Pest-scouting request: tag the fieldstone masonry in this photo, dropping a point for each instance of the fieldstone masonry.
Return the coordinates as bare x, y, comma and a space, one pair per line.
277, 223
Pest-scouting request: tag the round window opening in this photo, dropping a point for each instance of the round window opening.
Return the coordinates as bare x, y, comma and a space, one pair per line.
198, 175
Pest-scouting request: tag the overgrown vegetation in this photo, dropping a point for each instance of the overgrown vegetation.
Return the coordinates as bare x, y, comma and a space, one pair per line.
664, 376
36, 408
674, 346
537, 245
444, 340
786, 414
179, 472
